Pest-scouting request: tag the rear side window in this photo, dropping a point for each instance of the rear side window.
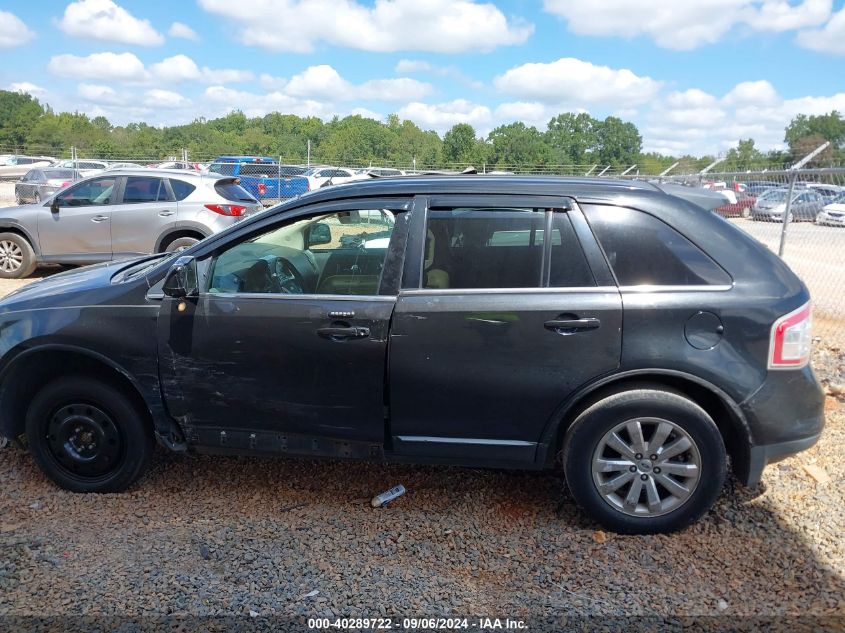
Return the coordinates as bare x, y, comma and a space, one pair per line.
259, 170
181, 189
224, 169
144, 189
232, 191
644, 251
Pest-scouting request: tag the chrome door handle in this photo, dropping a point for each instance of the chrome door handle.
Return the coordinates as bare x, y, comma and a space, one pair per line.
164, 214
571, 326
341, 333
99, 218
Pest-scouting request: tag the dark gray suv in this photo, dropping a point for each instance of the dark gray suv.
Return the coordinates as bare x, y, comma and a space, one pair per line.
618, 330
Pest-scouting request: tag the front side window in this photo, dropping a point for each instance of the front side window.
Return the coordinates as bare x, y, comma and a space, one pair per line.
99, 191
224, 169
341, 253
644, 251
144, 189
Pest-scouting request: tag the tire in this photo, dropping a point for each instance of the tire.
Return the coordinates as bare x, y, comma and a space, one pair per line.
180, 244
17, 259
69, 413
585, 453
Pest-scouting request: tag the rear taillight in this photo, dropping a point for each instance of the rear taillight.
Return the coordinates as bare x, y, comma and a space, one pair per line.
789, 346
65, 184
262, 188
234, 210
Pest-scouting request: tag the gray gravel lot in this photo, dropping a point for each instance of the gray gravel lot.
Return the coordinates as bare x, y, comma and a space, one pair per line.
230, 536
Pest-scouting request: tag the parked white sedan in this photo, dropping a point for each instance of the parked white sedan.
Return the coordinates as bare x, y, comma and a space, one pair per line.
833, 214
325, 176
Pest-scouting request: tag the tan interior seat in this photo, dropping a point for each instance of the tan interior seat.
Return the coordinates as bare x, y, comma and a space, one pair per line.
434, 277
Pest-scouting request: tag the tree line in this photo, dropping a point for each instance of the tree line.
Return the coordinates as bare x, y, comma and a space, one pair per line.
570, 139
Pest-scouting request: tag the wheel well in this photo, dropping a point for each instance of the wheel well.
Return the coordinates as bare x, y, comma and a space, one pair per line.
175, 235
17, 231
730, 425
27, 375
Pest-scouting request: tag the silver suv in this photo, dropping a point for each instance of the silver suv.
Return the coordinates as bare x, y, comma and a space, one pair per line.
118, 214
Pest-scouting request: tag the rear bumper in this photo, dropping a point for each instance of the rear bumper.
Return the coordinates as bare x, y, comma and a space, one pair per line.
785, 416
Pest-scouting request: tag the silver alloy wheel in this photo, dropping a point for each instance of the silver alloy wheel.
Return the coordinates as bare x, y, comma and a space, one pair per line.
11, 256
646, 467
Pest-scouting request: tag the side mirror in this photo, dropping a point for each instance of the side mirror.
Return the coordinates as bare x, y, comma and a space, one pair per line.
181, 279
54, 205
319, 233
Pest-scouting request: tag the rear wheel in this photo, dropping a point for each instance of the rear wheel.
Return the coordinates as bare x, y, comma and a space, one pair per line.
644, 461
87, 436
17, 259
180, 244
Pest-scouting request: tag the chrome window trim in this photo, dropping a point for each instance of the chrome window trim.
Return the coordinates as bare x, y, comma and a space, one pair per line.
700, 288
462, 440
502, 291
297, 297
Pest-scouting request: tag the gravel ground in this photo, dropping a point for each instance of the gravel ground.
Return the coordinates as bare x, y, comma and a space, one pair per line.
263, 537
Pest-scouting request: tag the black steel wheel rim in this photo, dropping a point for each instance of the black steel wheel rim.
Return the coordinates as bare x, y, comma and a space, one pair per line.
84, 441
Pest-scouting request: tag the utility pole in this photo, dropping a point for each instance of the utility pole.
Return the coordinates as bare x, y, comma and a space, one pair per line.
308, 157
793, 176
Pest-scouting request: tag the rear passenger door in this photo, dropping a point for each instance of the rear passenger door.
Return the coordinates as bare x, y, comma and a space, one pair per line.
147, 209
502, 315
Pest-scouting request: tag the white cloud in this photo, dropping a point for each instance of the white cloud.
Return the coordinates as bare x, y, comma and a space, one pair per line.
101, 66
183, 31
412, 66
158, 98
529, 112
269, 82
107, 21
13, 32
570, 81
752, 93
828, 39
696, 122
440, 117
28, 88
103, 95
325, 83
686, 25
183, 68
443, 26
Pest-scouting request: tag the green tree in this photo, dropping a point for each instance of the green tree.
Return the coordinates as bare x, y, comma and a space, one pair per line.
18, 113
618, 143
518, 146
460, 144
744, 155
573, 137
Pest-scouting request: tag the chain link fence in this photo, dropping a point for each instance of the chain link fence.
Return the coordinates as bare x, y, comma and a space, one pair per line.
797, 213
800, 215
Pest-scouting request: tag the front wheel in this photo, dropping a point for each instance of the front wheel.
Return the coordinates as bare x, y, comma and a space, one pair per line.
644, 461
17, 259
87, 436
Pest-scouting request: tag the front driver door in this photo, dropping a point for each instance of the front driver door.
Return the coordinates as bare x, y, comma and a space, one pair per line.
80, 227
285, 348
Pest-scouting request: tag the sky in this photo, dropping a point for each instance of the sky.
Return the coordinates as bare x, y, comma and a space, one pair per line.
695, 77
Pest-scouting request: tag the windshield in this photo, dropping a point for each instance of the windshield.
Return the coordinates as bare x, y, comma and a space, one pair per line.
59, 173
774, 195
